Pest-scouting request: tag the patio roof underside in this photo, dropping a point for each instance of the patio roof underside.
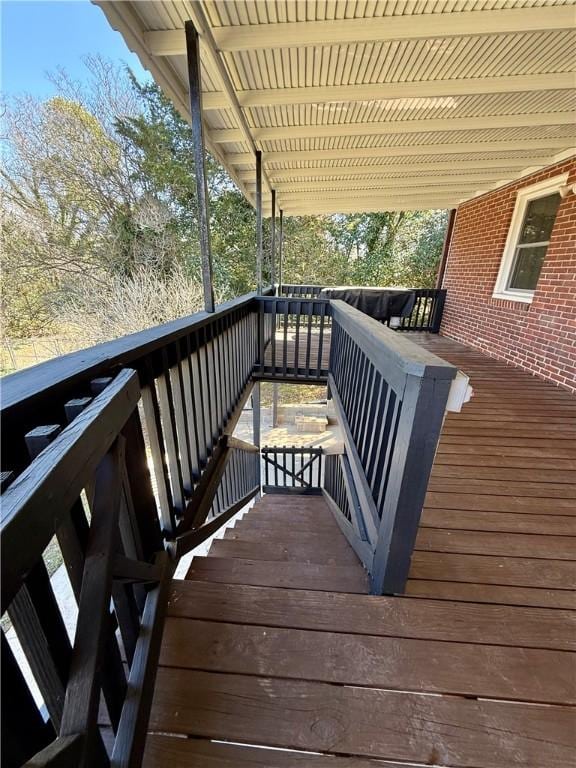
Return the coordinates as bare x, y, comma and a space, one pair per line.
368, 106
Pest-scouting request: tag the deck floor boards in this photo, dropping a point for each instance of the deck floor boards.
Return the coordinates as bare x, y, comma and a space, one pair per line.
273, 642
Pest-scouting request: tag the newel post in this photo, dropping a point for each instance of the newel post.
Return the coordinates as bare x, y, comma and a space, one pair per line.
423, 407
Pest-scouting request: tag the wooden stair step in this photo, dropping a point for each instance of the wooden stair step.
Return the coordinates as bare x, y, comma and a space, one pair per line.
346, 720
282, 523
383, 616
298, 552
331, 540
332, 578
425, 666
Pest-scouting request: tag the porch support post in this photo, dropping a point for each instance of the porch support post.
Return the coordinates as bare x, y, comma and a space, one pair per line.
273, 241
194, 78
259, 221
280, 246
446, 248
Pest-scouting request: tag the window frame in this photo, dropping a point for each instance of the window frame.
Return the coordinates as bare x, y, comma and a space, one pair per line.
523, 197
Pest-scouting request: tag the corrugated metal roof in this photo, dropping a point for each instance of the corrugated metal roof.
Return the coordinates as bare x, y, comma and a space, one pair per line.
451, 96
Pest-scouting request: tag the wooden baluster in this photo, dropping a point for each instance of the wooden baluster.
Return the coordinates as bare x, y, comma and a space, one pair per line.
181, 421
91, 644
200, 413
154, 429
24, 732
36, 617
297, 315
285, 340
166, 401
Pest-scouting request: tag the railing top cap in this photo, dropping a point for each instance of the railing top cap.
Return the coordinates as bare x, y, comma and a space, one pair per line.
387, 347
31, 382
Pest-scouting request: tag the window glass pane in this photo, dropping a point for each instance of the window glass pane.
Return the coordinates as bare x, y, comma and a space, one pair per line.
527, 266
539, 219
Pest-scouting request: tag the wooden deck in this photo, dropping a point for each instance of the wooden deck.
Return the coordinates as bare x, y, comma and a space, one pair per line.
273, 642
499, 524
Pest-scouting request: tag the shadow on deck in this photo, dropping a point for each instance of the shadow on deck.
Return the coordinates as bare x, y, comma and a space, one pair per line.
271, 642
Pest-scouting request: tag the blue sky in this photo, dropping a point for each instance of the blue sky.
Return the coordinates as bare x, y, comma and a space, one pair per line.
39, 37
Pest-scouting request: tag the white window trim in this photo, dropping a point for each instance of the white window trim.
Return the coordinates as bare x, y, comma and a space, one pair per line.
524, 196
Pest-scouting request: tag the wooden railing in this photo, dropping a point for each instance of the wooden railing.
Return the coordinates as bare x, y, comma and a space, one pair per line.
195, 375
427, 312
426, 315
124, 453
183, 476
292, 469
293, 291
390, 397
296, 346
88, 486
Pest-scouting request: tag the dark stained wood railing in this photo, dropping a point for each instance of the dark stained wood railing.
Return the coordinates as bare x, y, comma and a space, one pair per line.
426, 315
427, 312
78, 488
297, 344
124, 453
292, 469
390, 397
195, 375
293, 291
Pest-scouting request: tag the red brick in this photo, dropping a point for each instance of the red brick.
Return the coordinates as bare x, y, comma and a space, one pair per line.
539, 337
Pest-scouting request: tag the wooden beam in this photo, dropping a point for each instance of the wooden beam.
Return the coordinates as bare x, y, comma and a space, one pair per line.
397, 170
383, 28
329, 94
415, 150
195, 81
397, 127
346, 205
331, 186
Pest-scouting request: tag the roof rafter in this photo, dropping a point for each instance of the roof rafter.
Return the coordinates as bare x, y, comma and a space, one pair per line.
384, 28
313, 207
398, 127
377, 91
539, 145
289, 187
504, 165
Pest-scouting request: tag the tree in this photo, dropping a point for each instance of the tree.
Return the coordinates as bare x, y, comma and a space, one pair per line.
99, 190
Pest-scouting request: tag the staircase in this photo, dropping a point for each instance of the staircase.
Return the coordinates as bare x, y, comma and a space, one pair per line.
288, 542
275, 656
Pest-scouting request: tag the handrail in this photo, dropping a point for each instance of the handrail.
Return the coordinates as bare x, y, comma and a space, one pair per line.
109, 556
36, 394
390, 396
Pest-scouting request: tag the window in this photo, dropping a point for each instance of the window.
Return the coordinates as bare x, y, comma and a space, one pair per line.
528, 240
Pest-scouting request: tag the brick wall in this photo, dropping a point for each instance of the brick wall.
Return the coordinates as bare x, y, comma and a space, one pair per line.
539, 337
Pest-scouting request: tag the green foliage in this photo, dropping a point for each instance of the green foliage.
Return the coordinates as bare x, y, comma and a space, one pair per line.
99, 189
